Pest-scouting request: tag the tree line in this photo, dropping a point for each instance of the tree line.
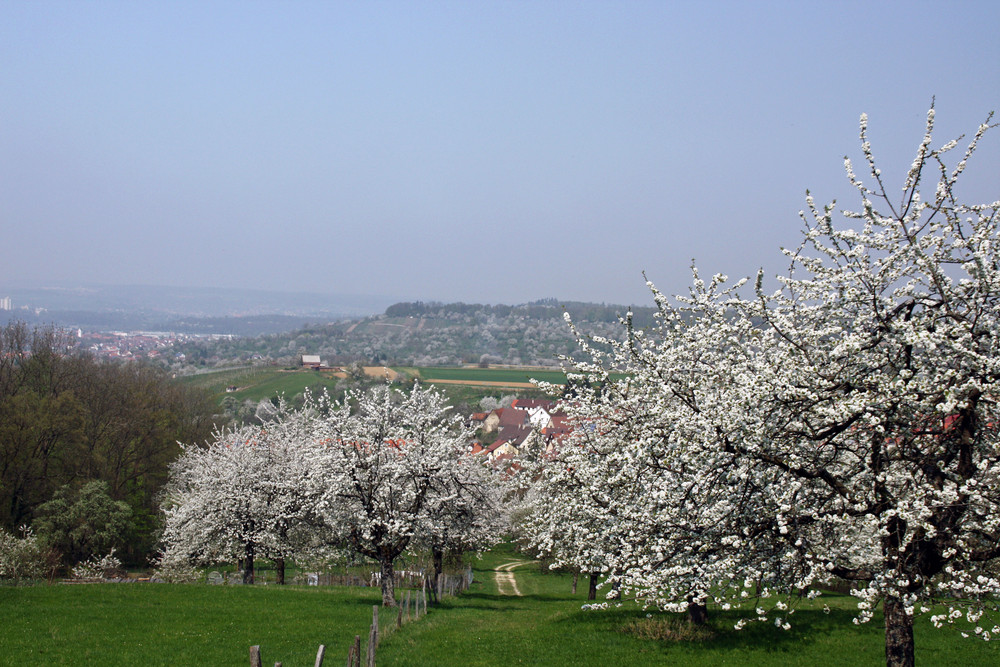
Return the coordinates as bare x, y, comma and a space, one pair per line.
542, 309
85, 445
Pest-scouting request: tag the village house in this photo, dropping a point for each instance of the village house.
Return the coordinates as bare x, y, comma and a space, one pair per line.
526, 425
539, 410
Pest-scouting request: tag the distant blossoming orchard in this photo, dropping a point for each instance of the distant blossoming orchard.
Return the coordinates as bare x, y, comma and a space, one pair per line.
842, 426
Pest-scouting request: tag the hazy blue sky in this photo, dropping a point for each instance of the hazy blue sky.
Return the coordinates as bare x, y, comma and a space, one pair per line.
476, 151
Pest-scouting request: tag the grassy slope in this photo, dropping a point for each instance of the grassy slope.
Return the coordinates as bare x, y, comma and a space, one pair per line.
259, 383
159, 624
266, 382
547, 627
289, 383
148, 624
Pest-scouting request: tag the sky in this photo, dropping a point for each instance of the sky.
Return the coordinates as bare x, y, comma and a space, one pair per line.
495, 152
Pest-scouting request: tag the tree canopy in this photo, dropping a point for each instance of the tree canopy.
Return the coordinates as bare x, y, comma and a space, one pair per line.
376, 474
67, 420
840, 427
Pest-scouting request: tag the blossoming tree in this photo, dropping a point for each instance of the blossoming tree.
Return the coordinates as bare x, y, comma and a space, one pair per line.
842, 426
567, 498
243, 495
388, 465
468, 514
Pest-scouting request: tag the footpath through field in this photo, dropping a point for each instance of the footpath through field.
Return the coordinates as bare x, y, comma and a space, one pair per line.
504, 577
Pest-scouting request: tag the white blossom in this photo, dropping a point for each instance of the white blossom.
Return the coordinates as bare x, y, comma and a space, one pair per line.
843, 425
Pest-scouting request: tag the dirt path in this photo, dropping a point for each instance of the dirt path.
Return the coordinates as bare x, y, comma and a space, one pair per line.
505, 577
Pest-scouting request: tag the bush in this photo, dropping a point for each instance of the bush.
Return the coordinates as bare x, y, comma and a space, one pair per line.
21, 558
107, 567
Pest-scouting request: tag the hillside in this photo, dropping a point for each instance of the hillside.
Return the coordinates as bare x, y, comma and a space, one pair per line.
429, 334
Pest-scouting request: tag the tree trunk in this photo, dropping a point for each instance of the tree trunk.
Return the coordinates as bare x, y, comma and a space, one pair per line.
898, 634
279, 567
437, 554
592, 593
248, 564
697, 613
388, 583
576, 576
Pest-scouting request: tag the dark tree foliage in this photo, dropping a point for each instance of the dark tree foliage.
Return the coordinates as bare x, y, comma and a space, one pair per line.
67, 419
85, 522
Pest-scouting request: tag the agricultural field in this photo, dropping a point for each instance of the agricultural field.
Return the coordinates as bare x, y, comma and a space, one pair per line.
260, 383
468, 396
492, 376
460, 384
216, 381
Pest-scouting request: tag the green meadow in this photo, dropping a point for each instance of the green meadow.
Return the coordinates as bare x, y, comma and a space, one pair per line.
259, 383
178, 624
198, 624
266, 382
546, 626
490, 374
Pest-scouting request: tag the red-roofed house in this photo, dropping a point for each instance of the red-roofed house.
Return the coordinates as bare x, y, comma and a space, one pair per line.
505, 417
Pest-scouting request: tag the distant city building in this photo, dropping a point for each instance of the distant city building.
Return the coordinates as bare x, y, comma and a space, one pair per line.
5, 303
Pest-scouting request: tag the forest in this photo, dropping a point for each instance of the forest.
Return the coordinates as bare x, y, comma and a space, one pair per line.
85, 445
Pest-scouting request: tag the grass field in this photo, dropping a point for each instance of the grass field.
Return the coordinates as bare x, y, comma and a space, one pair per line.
490, 375
289, 383
547, 627
161, 624
216, 381
258, 383
471, 394
174, 624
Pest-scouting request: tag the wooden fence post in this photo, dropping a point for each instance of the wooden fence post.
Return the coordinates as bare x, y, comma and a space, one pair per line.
373, 637
255, 656
354, 655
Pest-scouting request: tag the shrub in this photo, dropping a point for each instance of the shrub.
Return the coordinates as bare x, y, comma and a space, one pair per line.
21, 558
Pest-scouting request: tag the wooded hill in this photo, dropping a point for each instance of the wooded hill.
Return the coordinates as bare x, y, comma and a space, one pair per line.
430, 334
